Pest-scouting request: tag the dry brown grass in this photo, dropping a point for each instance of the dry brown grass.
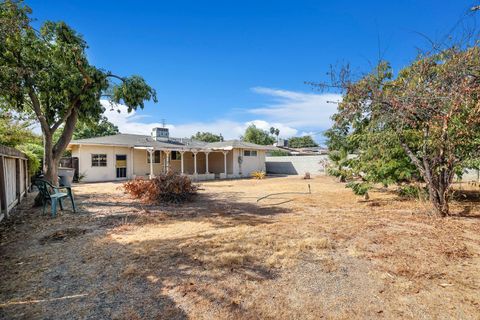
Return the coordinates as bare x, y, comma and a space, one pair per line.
225, 255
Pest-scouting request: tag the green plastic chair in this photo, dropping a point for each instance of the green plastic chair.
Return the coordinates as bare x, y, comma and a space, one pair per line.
52, 194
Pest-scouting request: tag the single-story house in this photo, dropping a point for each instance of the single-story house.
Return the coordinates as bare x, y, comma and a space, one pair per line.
126, 156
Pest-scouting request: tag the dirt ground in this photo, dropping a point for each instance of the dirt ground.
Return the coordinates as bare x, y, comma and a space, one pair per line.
328, 254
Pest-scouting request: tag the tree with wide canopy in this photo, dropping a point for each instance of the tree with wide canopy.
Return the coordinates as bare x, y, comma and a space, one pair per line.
46, 74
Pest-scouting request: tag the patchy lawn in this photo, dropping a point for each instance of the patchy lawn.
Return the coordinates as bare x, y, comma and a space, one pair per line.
226, 256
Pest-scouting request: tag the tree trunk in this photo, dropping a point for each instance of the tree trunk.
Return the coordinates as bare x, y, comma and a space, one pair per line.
53, 153
439, 191
49, 165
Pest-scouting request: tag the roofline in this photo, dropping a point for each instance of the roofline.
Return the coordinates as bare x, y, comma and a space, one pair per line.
179, 148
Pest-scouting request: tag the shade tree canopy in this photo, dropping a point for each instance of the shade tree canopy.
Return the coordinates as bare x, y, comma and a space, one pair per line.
423, 123
256, 135
45, 73
207, 137
302, 142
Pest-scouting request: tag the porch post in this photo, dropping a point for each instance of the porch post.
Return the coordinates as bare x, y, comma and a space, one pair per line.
225, 162
167, 160
195, 162
151, 151
182, 165
206, 162
132, 164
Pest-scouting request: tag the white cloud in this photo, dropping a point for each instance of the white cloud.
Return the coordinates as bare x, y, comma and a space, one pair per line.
132, 123
298, 109
293, 113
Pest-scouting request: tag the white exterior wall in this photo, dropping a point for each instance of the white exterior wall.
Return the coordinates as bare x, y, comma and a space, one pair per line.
249, 164
137, 164
108, 173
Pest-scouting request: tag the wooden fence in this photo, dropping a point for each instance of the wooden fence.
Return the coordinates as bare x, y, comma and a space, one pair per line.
14, 180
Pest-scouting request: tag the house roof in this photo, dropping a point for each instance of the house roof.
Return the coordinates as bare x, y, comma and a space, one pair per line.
141, 141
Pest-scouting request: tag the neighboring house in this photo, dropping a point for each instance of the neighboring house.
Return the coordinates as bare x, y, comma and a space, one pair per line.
126, 156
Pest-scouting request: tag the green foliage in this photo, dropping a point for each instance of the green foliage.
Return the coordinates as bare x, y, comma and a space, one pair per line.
359, 188
46, 74
34, 153
423, 124
414, 191
278, 153
17, 134
207, 137
85, 130
258, 136
302, 142
14, 132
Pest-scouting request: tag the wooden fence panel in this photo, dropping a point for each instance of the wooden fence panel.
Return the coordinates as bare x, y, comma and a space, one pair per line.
10, 182
22, 177
14, 180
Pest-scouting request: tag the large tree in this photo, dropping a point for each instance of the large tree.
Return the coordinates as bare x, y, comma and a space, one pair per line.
302, 142
90, 129
256, 135
46, 73
427, 115
207, 137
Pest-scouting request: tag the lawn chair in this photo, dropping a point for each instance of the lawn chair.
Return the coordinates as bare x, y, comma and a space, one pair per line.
52, 194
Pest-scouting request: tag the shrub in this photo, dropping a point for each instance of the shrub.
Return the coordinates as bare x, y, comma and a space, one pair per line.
34, 154
259, 175
167, 187
360, 188
412, 192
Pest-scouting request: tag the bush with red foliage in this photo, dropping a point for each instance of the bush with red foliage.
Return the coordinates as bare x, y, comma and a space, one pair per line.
166, 187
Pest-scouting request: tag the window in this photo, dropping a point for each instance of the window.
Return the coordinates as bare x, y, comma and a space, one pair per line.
176, 155
99, 160
250, 153
156, 156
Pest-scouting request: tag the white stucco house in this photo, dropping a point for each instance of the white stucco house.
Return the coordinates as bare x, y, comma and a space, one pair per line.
126, 156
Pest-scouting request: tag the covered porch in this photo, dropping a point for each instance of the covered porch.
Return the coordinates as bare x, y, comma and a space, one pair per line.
198, 164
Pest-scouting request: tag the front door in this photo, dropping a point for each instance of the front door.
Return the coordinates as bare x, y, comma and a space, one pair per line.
121, 165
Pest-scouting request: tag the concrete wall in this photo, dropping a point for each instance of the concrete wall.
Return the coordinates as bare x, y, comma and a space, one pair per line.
471, 175
296, 164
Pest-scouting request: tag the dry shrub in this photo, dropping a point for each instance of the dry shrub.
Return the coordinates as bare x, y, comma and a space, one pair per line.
167, 187
259, 175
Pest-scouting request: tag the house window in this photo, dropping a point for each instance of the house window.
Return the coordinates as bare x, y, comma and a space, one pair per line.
99, 160
156, 156
176, 155
250, 153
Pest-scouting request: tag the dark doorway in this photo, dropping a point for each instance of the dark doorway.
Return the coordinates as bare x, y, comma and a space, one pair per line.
121, 165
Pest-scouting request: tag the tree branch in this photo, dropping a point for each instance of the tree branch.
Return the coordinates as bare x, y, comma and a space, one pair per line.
110, 75
38, 111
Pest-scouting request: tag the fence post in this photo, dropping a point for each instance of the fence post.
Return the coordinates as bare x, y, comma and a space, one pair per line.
3, 188
18, 192
26, 177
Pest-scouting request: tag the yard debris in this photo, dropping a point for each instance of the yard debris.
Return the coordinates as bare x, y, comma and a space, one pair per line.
166, 187
62, 235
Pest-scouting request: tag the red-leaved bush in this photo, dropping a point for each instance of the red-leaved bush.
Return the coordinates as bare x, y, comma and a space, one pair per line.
166, 187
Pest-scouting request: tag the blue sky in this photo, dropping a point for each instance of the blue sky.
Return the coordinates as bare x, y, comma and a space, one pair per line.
220, 65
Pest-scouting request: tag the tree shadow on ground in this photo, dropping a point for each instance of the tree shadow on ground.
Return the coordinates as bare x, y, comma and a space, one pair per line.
94, 276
